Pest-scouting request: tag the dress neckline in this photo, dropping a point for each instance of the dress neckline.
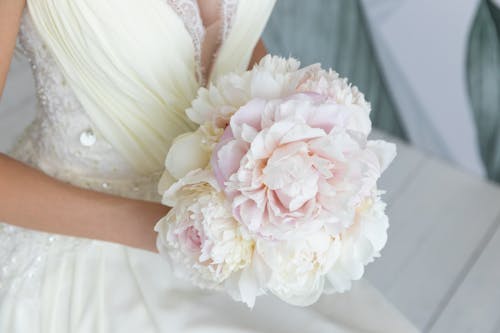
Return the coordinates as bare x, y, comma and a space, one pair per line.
212, 40
189, 11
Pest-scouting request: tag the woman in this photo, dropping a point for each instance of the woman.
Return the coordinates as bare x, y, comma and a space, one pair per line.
79, 189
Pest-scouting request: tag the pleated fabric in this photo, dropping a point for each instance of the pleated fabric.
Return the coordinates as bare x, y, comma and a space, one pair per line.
131, 64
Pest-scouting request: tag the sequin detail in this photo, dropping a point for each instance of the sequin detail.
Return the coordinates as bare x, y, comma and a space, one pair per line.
87, 138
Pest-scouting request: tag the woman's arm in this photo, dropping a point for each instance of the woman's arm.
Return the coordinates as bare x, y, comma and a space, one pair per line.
10, 17
31, 199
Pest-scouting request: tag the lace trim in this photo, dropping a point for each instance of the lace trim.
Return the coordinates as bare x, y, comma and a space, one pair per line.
229, 8
189, 11
228, 13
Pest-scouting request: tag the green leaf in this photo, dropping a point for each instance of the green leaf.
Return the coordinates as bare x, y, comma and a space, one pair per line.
483, 72
335, 33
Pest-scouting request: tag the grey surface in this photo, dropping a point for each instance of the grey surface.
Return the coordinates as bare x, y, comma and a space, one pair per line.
17, 104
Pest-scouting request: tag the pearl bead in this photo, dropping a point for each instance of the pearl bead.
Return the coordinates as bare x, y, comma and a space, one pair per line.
87, 138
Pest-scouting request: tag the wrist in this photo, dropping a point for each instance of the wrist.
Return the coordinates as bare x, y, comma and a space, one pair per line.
142, 216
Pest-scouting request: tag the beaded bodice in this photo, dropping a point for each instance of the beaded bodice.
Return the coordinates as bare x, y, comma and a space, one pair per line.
63, 143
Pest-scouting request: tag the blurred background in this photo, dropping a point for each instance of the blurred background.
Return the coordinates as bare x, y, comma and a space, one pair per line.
431, 70
417, 61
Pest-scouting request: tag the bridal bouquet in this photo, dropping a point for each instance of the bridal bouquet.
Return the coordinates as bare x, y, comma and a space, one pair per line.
276, 191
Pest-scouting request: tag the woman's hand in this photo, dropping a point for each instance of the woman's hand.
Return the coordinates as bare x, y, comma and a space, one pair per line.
10, 18
31, 199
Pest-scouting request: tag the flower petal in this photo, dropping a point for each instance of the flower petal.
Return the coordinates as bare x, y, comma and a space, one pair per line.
186, 154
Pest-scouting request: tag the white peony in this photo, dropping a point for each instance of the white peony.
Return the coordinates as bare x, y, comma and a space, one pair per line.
329, 83
189, 151
360, 245
299, 266
271, 78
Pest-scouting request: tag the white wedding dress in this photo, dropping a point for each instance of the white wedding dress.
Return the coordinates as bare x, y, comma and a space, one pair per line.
113, 78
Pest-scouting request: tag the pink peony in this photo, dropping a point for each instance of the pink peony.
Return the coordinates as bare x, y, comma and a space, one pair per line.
297, 164
199, 235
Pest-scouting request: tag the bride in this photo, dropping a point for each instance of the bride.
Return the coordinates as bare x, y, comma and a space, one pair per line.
78, 191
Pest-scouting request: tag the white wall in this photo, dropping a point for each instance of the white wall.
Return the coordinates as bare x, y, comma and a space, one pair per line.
422, 46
